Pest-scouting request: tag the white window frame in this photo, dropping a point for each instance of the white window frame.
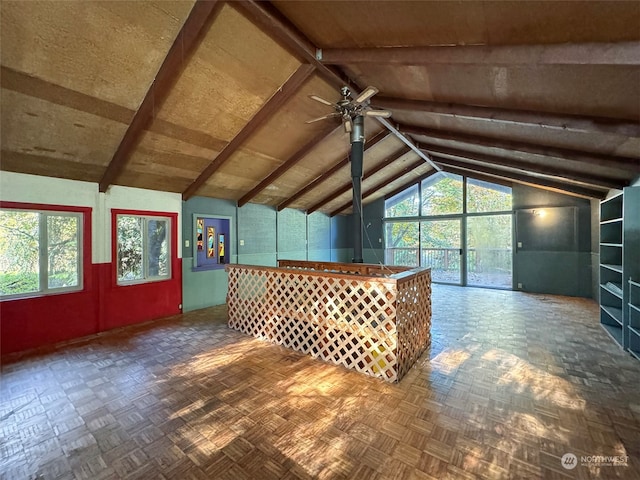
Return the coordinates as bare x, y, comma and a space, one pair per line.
146, 278
43, 253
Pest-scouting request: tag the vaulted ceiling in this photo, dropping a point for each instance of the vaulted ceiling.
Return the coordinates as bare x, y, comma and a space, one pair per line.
211, 98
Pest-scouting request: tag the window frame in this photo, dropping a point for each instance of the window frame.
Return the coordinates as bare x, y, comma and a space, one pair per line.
83, 251
146, 216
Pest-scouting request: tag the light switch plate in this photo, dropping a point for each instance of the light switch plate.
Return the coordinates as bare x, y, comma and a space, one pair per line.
186, 243
241, 243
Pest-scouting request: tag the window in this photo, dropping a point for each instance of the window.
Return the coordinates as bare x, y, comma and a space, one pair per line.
40, 252
405, 204
143, 248
463, 243
402, 243
487, 197
442, 195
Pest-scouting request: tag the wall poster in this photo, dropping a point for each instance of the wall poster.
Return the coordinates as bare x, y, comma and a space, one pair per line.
211, 242
200, 234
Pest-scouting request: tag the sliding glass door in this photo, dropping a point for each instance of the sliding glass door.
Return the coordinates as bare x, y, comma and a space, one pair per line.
441, 249
489, 252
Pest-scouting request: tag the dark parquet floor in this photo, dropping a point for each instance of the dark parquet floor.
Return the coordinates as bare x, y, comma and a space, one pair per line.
511, 383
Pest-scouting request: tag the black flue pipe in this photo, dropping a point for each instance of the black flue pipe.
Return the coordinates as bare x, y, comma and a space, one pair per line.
357, 155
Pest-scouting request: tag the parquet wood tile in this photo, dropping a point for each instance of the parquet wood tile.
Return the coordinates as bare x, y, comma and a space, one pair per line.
503, 392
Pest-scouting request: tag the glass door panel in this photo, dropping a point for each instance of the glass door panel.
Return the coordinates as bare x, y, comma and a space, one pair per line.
489, 257
441, 249
401, 240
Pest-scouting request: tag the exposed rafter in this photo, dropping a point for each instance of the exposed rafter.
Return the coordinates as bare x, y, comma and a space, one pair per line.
524, 178
347, 186
274, 24
623, 163
492, 160
333, 169
536, 120
198, 21
621, 53
290, 162
284, 93
370, 191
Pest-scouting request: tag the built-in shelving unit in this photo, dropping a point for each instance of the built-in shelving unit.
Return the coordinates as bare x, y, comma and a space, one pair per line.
634, 318
619, 262
611, 275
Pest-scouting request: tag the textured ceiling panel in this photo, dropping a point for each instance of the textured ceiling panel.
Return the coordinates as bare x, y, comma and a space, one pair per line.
227, 80
398, 23
108, 50
36, 127
578, 89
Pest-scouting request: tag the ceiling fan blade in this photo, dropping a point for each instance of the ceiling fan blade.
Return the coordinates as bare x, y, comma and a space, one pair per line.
366, 94
321, 100
331, 115
378, 113
348, 126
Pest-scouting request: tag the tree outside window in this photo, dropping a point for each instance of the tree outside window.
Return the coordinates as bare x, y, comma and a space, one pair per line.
142, 248
40, 252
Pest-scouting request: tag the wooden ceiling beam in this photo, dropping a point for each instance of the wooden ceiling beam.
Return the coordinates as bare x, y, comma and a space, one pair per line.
528, 118
554, 171
610, 161
523, 178
348, 186
324, 176
269, 19
266, 17
197, 23
618, 53
290, 162
407, 141
284, 93
370, 191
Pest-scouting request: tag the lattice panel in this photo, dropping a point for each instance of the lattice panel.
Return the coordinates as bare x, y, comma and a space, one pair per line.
345, 320
413, 320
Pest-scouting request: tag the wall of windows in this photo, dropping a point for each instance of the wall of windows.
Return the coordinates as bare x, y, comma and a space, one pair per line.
460, 227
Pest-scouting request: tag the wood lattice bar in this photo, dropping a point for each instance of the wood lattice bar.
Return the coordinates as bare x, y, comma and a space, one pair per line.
363, 319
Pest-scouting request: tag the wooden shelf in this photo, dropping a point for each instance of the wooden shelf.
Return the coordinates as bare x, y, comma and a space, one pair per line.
615, 268
612, 292
614, 332
613, 312
620, 262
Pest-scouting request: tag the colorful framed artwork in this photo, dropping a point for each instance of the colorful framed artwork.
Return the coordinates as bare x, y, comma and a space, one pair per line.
221, 248
211, 242
200, 234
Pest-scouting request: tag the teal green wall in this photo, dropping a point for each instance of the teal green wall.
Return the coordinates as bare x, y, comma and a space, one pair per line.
260, 236
557, 270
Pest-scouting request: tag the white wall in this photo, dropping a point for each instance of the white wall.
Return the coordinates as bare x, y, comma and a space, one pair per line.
18, 187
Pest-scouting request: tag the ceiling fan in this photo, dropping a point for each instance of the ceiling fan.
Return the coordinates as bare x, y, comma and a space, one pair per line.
348, 108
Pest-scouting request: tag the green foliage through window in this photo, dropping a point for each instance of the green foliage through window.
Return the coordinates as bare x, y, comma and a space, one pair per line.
142, 248
40, 252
